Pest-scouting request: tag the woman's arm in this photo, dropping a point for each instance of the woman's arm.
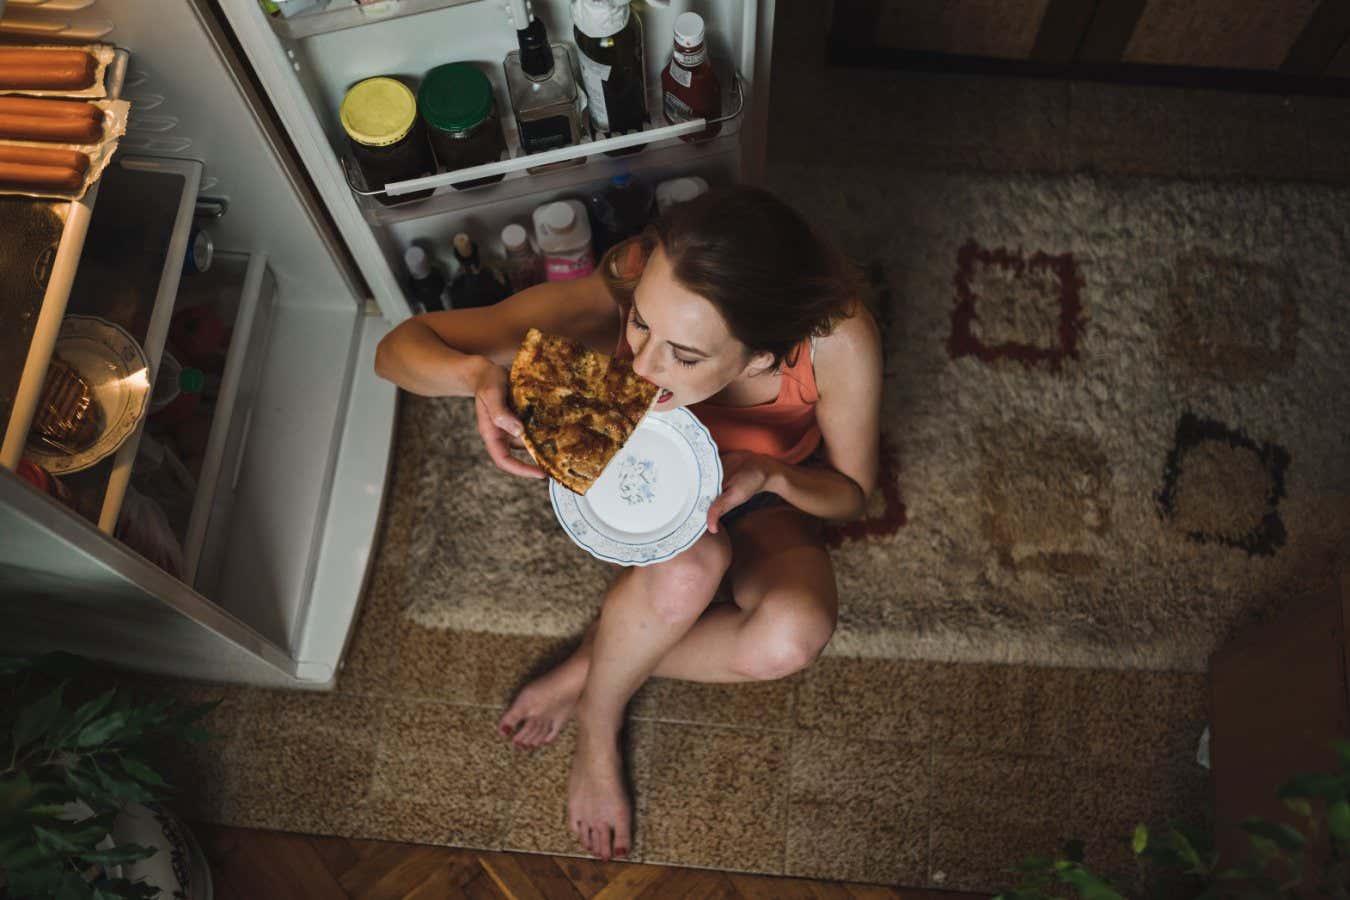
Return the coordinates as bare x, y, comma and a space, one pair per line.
442, 354
464, 352
848, 374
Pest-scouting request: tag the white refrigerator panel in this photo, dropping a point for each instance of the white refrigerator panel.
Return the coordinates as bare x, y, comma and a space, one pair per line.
65, 586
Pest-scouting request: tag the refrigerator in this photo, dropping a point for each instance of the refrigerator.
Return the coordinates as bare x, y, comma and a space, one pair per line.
234, 131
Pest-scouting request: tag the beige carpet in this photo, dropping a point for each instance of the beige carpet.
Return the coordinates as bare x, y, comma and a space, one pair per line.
1116, 420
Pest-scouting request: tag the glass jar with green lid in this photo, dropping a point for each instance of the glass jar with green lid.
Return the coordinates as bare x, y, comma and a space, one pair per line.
461, 116
387, 139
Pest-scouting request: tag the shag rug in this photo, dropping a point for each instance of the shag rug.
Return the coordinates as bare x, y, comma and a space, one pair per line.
1116, 426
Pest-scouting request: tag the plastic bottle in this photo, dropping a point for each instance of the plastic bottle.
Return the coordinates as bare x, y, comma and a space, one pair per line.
190, 384
428, 282
622, 209
474, 284
564, 237
523, 266
679, 190
689, 88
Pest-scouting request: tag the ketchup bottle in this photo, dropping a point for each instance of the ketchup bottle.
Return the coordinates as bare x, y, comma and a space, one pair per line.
689, 86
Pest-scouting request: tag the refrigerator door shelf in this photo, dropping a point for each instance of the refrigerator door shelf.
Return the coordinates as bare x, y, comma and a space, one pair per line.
246, 299
342, 14
653, 137
147, 206
60, 277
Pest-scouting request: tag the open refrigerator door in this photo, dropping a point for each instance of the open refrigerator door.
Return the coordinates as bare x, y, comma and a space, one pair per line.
212, 512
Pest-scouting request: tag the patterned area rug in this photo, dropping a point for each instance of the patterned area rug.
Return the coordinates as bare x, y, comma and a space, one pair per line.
1116, 426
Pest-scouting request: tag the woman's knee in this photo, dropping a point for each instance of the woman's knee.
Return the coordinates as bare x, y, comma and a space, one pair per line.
681, 588
788, 637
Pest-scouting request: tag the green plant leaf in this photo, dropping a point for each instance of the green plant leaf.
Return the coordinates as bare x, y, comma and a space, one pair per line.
73, 887
1139, 842
124, 789
1338, 820
54, 840
88, 711
100, 730
141, 772
1342, 749
1313, 785
1088, 885
1034, 863
1299, 806
1186, 851
1278, 833
122, 853
37, 717
193, 713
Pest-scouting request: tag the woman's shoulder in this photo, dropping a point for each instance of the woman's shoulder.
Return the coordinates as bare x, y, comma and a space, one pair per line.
851, 349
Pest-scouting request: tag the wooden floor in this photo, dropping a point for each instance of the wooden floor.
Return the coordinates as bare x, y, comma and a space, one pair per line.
247, 864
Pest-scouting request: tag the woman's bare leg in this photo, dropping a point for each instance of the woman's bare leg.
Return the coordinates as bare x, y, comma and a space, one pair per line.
781, 549
646, 612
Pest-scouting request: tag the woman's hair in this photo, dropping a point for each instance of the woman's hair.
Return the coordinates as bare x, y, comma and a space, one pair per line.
753, 257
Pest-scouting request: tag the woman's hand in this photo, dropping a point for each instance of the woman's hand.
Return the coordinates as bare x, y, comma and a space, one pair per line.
744, 474
497, 425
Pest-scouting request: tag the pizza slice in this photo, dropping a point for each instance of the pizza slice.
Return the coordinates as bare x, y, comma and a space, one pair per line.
578, 406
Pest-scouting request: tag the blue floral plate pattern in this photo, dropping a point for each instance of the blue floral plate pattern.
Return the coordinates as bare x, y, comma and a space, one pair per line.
651, 502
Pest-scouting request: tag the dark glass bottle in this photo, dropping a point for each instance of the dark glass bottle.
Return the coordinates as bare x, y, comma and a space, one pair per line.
474, 284
608, 34
621, 210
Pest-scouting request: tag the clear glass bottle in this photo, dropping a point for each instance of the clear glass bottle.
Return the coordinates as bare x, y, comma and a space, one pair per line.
547, 103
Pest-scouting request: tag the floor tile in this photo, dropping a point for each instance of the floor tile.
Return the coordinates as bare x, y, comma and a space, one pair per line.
303, 762
538, 819
1018, 709
464, 666
869, 698
764, 705
710, 797
858, 810
989, 811
442, 776
1140, 718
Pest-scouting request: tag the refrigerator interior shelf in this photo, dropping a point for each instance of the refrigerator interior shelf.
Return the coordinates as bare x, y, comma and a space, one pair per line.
128, 275
243, 293
516, 166
343, 14
60, 275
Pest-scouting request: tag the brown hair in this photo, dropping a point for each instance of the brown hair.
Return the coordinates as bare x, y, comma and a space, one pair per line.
755, 259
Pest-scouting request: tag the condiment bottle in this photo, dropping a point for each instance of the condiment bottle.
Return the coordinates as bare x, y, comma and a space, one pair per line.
564, 236
689, 88
387, 139
474, 284
608, 35
461, 117
428, 283
523, 266
547, 103
191, 383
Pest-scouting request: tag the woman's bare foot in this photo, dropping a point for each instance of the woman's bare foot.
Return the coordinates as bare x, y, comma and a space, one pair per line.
544, 706
598, 811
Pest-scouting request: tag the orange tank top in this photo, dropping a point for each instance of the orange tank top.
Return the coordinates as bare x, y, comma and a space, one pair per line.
784, 429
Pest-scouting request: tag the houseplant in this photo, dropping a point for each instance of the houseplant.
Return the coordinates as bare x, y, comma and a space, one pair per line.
1179, 862
72, 759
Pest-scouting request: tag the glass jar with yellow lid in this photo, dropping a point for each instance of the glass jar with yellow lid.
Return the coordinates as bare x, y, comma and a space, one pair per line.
386, 136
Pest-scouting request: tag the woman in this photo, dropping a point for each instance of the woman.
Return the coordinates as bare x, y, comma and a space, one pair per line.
734, 308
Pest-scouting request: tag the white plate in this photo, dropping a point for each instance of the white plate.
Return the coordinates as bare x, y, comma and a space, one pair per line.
113, 364
651, 502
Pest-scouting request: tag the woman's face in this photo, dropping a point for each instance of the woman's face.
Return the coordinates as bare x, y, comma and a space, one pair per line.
680, 341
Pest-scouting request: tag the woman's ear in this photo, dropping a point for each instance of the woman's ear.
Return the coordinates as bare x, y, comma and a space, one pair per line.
759, 363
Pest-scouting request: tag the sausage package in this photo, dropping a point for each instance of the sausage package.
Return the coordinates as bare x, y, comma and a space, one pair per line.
57, 168
55, 70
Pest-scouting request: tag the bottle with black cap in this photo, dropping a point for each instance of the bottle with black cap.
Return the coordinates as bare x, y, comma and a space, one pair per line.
545, 98
427, 282
474, 284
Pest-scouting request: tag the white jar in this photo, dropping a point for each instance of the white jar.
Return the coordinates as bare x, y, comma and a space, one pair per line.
564, 236
678, 190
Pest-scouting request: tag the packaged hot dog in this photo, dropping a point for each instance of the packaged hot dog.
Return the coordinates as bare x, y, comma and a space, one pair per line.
57, 148
55, 70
